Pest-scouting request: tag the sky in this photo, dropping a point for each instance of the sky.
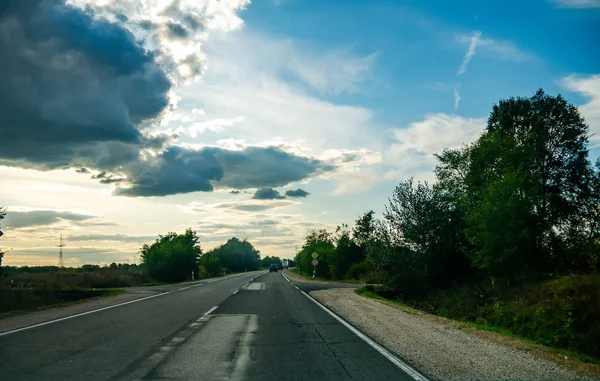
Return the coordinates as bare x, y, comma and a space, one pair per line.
123, 120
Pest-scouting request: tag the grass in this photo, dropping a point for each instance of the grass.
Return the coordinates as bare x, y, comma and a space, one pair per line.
574, 360
16, 301
365, 291
307, 276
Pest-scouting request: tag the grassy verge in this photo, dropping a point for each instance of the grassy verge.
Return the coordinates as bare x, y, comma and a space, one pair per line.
574, 360
304, 275
15, 301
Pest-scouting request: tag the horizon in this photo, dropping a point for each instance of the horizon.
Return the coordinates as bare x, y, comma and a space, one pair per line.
255, 120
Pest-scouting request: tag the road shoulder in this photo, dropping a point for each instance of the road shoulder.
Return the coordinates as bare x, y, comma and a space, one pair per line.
442, 348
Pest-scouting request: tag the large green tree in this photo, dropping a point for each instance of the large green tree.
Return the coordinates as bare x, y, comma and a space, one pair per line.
172, 257
237, 255
531, 186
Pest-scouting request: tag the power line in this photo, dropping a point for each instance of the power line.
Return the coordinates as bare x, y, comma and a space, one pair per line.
60, 253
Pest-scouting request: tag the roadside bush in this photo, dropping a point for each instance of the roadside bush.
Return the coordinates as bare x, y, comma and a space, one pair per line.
360, 271
561, 312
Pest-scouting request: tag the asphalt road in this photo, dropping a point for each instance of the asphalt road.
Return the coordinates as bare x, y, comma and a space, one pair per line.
262, 330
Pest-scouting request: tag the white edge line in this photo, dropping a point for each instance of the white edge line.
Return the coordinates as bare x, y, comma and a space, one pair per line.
80, 314
387, 354
184, 288
235, 292
211, 310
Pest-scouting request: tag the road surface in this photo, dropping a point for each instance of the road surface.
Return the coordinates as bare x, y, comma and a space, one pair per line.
235, 328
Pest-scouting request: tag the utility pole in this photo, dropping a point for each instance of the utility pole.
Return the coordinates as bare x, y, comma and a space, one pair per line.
60, 253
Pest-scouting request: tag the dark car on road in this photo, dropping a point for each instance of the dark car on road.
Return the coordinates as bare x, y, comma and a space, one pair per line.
273, 267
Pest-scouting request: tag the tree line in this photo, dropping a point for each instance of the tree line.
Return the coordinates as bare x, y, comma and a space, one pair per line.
521, 202
175, 257
507, 234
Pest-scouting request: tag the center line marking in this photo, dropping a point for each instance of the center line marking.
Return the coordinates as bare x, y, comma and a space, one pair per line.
211, 310
184, 288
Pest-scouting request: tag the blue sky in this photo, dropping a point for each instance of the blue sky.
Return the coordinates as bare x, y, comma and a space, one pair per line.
340, 99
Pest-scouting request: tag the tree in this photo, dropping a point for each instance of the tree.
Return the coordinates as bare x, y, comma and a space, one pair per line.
321, 242
210, 264
237, 255
172, 257
530, 176
346, 253
364, 228
424, 228
266, 261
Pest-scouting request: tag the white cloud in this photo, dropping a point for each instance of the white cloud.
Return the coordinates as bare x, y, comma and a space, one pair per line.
436, 132
356, 181
588, 86
215, 125
498, 49
470, 52
249, 76
457, 98
174, 29
412, 150
576, 3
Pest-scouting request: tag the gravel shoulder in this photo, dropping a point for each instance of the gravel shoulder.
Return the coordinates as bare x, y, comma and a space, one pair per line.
438, 347
11, 322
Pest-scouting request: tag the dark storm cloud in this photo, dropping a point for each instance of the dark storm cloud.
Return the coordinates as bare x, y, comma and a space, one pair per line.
266, 167
296, 193
40, 218
72, 87
235, 192
182, 170
267, 194
112, 180
77, 90
177, 31
177, 170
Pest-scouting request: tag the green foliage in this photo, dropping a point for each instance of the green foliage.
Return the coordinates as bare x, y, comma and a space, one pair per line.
508, 212
364, 228
266, 261
533, 188
172, 257
418, 246
346, 253
360, 271
237, 256
339, 253
210, 265
320, 242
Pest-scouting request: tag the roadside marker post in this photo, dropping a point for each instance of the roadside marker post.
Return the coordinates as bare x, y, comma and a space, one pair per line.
315, 262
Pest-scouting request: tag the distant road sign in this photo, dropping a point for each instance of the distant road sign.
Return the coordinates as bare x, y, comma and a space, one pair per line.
315, 255
315, 262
